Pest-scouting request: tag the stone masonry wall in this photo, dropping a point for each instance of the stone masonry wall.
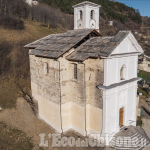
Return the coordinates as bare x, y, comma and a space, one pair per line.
94, 77
72, 90
47, 84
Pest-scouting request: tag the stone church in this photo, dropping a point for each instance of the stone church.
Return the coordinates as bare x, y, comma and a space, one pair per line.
84, 81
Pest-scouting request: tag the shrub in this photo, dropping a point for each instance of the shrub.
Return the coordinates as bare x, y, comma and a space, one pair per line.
16, 64
112, 10
143, 91
11, 22
102, 15
5, 49
17, 8
139, 122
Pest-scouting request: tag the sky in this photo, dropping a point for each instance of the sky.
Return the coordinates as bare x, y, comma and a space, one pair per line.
142, 5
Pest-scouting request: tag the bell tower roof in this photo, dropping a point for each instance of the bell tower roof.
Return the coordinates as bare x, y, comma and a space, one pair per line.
86, 3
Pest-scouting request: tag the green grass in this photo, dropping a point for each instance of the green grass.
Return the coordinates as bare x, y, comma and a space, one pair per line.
142, 90
8, 93
144, 75
13, 139
139, 121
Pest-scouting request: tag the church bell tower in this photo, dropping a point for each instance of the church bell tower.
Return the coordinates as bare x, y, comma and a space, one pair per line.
86, 16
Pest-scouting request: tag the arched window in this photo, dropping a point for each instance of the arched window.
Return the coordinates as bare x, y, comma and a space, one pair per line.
92, 14
122, 73
81, 14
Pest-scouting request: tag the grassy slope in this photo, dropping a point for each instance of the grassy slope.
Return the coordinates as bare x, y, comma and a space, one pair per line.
11, 138
33, 31
145, 75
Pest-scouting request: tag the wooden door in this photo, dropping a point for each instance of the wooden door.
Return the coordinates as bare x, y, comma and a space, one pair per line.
121, 115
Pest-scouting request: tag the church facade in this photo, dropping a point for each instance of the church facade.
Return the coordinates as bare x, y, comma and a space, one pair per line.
84, 81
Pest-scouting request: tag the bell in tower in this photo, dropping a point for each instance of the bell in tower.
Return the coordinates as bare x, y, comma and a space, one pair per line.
86, 16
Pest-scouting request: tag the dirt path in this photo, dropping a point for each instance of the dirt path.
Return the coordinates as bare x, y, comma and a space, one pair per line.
23, 118
146, 127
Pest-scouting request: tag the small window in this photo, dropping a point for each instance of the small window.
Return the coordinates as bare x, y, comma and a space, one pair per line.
75, 71
148, 65
45, 68
141, 59
92, 14
81, 14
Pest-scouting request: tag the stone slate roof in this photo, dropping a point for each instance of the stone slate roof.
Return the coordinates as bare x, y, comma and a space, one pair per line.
97, 46
130, 137
55, 45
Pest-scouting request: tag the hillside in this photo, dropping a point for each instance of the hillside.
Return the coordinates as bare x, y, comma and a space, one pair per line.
59, 14
14, 68
109, 9
123, 17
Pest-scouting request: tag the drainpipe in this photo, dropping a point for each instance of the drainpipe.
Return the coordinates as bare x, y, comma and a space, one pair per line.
60, 98
85, 99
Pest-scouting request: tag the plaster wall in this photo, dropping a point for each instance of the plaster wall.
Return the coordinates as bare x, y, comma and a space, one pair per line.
50, 113
121, 96
29, 2
94, 77
77, 16
94, 119
86, 16
72, 116
125, 46
95, 16
113, 66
